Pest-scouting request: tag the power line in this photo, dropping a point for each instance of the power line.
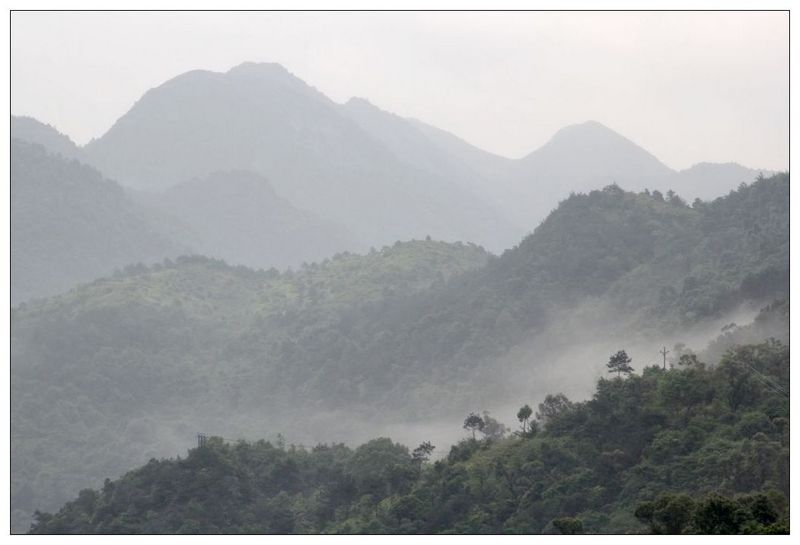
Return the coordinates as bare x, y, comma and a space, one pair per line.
775, 387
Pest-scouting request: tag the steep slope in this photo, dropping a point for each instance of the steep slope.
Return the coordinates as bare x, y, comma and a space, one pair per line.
70, 225
489, 166
33, 131
412, 143
580, 158
590, 155
261, 118
237, 216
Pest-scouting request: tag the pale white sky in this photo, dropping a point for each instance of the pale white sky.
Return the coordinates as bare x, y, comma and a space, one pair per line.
688, 87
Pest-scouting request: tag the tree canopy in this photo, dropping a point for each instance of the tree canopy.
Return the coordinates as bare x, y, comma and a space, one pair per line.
632, 459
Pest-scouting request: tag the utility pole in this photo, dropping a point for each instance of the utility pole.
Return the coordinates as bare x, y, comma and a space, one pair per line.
664, 353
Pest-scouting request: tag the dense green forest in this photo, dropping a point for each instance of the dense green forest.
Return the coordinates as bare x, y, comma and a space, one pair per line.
132, 366
695, 448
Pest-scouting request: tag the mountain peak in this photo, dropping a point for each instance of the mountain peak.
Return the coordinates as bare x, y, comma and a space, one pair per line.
359, 102
591, 138
259, 68
587, 128
31, 129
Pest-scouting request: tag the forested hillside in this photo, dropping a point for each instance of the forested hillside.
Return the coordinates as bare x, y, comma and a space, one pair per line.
128, 367
692, 449
71, 225
135, 364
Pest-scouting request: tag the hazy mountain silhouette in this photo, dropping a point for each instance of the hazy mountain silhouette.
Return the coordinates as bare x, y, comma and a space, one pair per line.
340, 177
34, 131
711, 180
580, 158
261, 118
413, 142
70, 225
238, 217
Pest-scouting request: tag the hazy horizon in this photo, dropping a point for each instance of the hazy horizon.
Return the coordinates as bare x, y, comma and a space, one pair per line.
503, 82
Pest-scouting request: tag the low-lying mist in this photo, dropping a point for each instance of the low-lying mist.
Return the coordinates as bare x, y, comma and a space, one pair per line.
569, 356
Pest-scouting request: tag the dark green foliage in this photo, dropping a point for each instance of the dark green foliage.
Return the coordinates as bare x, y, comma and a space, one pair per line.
473, 423
633, 458
552, 406
422, 454
619, 363
239, 488
568, 525
523, 415
669, 514
755, 513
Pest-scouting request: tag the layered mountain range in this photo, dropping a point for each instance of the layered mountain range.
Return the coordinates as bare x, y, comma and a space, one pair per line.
334, 176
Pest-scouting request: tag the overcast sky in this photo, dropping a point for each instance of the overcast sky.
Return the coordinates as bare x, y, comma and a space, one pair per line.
688, 87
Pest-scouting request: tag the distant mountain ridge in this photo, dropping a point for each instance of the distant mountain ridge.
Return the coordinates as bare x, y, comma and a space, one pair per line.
260, 118
233, 215
580, 158
342, 176
361, 166
34, 131
70, 225
238, 217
